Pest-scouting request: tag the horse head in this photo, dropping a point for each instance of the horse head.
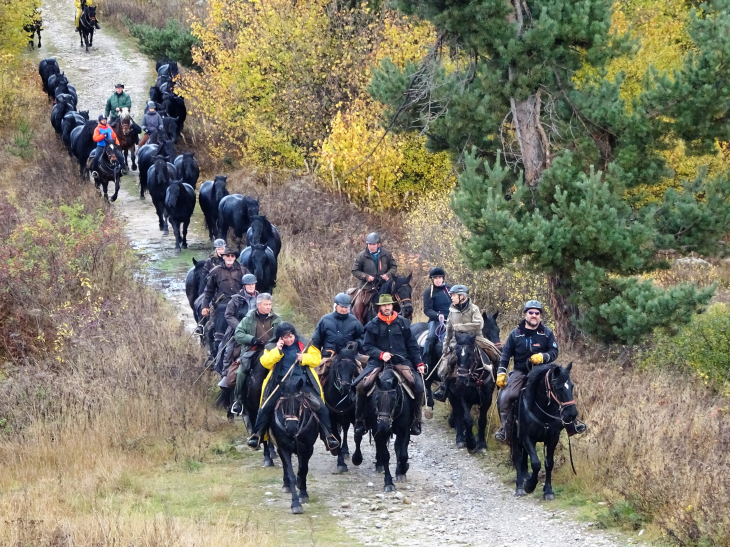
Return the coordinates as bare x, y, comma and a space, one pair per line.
344, 369
401, 291
173, 192
190, 168
171, 127
464, 352
385, 397
219, 186
159, 162
257, 229
560, 390
155, 94
291, 390
259, 261
490, 330
84, 114
252, 207
91, 12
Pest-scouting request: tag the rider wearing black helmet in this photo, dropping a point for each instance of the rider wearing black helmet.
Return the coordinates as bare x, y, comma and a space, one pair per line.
530, 344
464, 317
436, 304
374, 264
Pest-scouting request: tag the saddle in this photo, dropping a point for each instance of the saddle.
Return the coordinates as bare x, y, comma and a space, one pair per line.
403, 372
361, 301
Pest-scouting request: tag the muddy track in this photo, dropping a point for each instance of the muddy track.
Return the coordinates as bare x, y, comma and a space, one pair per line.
450, 498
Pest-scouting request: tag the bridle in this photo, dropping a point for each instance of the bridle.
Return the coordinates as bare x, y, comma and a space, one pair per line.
552, 397
397, 390
291, 415
476, 370
337, 384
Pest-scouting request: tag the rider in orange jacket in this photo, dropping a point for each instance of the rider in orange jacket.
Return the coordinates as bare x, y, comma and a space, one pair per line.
101, 134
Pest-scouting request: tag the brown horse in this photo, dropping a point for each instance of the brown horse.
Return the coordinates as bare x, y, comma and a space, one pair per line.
363, 299
128, 134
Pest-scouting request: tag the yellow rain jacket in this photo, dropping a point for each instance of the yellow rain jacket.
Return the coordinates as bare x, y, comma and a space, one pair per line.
77, 3
311, 359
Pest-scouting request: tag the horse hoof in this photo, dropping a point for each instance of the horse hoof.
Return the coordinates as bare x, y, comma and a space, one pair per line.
520, 492
178, 250
548, 497
141, 197
481, 450
268, 463
379, 469
286, 490
400, 478
460, 444
342, 469
184, 245
297, 510
389, 488
357, 458
529, 487
113, 198
303, 498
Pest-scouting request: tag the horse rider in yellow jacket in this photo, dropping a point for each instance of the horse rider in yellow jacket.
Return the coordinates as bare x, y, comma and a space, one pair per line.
290, 352
80, 5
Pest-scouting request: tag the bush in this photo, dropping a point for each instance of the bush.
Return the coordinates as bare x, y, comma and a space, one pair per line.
174, 41
702, 346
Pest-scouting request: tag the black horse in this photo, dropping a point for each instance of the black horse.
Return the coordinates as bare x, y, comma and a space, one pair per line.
172, 129
389, 411
55, 80
341, 399
236, 211
175, 108
432, 353
66, 92
47, 68
111, 167
87, 24
159, 175
210, 195
194, 285
187, 168
543, 410
156, 97
399, 287
180, 204
59, 111
82, 144
145, 158
71, 121
262, 231
252, 389
474, 385
167, 67
260, 261
295, 430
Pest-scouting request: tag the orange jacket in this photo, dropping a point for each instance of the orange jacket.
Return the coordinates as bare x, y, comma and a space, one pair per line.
100, 136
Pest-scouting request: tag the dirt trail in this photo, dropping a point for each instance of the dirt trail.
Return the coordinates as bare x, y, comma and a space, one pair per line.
453, 500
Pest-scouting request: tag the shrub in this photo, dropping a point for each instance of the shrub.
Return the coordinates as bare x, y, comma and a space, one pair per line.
702, 346
174, 41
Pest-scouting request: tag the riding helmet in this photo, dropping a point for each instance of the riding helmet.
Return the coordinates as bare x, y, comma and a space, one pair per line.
249, 279
436, 272
343, 300
101, 117
372, 238
285, 328
151, 104
459, 289
532, 305
219, 243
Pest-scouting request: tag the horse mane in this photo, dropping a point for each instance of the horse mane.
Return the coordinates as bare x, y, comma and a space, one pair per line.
174, 190
125, 115
399, 281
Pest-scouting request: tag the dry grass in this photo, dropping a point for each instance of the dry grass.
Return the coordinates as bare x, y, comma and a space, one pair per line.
152, 12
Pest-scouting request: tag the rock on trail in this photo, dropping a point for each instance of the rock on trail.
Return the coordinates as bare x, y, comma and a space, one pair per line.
448, 499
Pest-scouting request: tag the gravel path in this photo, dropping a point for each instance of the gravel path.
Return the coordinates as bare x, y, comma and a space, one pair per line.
449, 499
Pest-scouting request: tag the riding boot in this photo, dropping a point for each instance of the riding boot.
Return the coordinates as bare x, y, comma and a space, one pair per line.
504, 433
418, 403
95, 163
442, 393
360, 407
325, 427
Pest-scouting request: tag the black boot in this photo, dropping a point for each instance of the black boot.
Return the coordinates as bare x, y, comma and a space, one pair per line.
417, 414
442, 393
255, 440
360, 404
330, 441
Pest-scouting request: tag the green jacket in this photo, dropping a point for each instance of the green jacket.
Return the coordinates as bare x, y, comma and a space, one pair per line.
117, 101
246, 329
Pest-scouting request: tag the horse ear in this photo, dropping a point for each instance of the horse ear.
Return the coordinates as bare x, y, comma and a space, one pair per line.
570, 366
410, 276
195, 262
496, 314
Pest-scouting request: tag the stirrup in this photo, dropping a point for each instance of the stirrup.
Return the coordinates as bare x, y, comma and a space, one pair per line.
237, 408
500, 436
440, 393
94, 174
331, 442
254, 441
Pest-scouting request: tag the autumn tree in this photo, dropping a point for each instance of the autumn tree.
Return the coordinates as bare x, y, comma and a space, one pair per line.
519, 92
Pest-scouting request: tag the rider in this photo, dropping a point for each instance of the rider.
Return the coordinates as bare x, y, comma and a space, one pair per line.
374, 263
114, 104
80, 5
388, 338
530, 344
436, 303
223, 282
102, 133
464, 317
336, 329
290, 352
151, 125
215, 258
239, 305
254, 331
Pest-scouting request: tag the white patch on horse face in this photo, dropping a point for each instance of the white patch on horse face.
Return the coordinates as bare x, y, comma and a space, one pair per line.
567, 386
463, 350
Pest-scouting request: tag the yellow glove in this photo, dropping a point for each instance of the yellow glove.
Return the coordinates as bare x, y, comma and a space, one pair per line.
536, 359
502, 380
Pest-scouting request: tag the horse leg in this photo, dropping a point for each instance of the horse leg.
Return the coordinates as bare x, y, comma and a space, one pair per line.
223, 229
457, 412
105, 187
159, 211
268, 461
116, 187
344, 449
91, 37
131, 151
482, 425
39, 38
81, 36
531, 481
401, 453
165, 219
336, 431
176, 231
471, 444
519, 461
547, 489
291, 479
381, 448
303, 457
185, 234
429, 391
357, 456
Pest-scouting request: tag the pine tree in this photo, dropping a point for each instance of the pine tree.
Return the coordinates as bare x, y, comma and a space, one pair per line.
518, 92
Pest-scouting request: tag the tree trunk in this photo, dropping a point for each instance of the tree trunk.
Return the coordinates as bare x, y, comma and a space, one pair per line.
526, 117
562, 311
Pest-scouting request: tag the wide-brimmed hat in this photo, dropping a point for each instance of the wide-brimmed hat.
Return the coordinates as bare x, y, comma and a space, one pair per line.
231, 251
385, 299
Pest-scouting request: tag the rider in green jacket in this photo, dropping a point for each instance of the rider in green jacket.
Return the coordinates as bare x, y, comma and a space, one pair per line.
116, 102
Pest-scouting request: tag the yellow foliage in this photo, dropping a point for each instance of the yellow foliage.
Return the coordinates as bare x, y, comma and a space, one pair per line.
14, 14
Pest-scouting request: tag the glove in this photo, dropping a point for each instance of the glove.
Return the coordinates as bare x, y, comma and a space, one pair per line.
256, 342
502, 380
536, 359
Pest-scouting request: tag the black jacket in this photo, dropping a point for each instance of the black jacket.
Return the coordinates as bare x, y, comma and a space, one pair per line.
238, 307
333, 332
364, 265
395, 338
223, 281
436, 300
213, 261
524, 343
